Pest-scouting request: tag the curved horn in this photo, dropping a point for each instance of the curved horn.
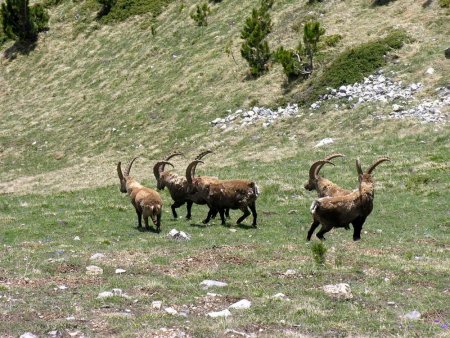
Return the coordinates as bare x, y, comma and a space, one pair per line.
314, 170
128, 168
173, 155
158, 168
190, 170
358, 167
119, 171
330, 157
203, 154
377, 162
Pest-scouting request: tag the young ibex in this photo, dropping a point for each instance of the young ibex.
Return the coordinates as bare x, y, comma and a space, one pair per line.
223, 194
146, 201
340, 211
323, 186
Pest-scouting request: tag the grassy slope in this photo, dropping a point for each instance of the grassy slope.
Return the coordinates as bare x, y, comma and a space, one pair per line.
68, 95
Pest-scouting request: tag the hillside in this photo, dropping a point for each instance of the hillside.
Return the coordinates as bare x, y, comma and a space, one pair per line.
92, 94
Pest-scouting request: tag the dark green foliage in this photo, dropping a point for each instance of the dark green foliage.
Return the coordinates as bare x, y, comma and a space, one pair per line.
330, 40
355, 63
255, 48
319, 251
215, 1
291, 60
3, 37
107, 5
123, 9
40, 17
200, 14
21, 22
444, 3
314, 1
311, 35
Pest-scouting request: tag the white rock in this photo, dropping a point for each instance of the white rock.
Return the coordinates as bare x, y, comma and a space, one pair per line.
76, 238
340, 291
54, 333
224, 313
70, 318
211, 294
280, 296
105, 294
413, 315
430, 71
97, 256
171, 311
156, 304
324, 141
94, 270
242, 304
62, 287
216, 121
179, 235
397, 107
117, 292
28, 335
207, 283
120, 271
290, 272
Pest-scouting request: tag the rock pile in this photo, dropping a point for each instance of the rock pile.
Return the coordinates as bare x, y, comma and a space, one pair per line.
248, 117
374, 88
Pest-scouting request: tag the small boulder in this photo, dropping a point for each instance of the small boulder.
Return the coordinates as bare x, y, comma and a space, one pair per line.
94, 270
224, 313
241, 305
339, 291
171, 311
324, 142
28, 335
413, 315
207, 283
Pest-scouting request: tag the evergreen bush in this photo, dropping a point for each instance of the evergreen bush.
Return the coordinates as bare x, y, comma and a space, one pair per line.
255, 48
319, 251
200, 14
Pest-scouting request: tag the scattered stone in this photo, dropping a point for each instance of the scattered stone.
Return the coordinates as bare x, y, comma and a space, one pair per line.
339, 291
156, 304
281, 296
233, 230
54, 333
207, 283
62, 287
290, 272
430, 71
94, 270
391, 303
324, 142
105, 294
76, 238
28, 335
120, 271
178, 235
70, 318
413, 315
241, 305
171, 311
238, 333
211, 294
97, 256
397, 107
224, 313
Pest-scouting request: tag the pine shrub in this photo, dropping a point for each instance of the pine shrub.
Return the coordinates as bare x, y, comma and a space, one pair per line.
200, 14
255, 48
22, 22
319, 251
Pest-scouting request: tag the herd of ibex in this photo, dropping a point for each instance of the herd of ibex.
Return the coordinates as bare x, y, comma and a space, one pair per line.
336, 207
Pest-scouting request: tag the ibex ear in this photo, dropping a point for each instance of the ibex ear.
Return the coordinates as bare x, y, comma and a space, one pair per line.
358, 167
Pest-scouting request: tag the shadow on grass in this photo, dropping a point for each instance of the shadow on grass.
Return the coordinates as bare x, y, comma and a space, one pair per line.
144, 229
376, 3
19, 47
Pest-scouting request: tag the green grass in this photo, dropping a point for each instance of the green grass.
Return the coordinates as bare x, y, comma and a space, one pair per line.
401, 257
91, 95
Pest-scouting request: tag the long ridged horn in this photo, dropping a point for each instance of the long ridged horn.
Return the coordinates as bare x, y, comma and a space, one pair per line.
128, 168
173, 155
190, 170
330, 157
158, 168
119, 171
377, 162
358, 167
314, 166
203, 154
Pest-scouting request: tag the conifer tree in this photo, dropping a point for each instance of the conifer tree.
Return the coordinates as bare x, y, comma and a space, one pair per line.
311, 35
255, 48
